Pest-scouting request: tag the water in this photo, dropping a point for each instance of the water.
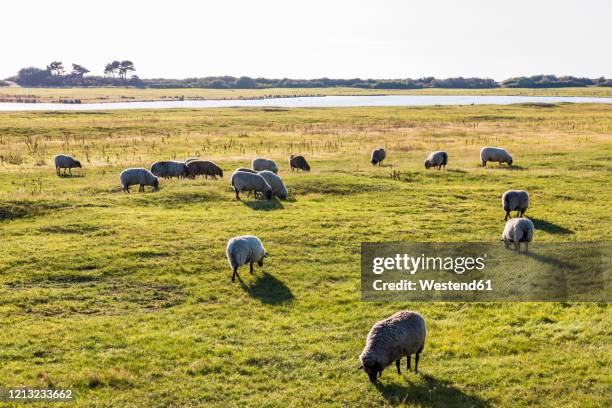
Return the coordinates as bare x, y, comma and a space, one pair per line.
309, 102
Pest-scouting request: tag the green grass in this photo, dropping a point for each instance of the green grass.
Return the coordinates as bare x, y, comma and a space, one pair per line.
89, 95
128, 299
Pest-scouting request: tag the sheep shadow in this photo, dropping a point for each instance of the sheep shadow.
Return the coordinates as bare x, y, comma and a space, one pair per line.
550, 227
264, 205
268, 289
551, 261
434, 393
497, 166
68, 175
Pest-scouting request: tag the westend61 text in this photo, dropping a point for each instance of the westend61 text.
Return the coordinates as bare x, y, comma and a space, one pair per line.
430, 285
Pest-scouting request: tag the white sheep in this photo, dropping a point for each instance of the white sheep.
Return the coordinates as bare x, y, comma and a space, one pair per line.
261, 164
401, 334
515, 200
518, 230
495, 154
276, 183
244, 181
143, 177
245, 249
436, 159
63, 161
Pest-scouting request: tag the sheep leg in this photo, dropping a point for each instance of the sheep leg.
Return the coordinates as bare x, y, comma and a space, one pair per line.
408, 363
416, 362
234, 274
397, 364
141, 188
70, 170
507, 215
251, 267
237, 196
484, 163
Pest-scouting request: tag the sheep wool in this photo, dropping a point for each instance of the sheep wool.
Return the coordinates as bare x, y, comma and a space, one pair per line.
518, 230
401, 334
515, 200
244, 249
203, 167
243, 181
63, 161
495, 154
261, 164
169, 169
436, 159
276, 183
299, 163
378, 155
143, 177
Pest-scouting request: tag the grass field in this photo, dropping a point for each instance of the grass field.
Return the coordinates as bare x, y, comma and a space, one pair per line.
90, 95
128, 299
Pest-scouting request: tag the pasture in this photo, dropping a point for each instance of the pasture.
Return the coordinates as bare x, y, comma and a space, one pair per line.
127, 297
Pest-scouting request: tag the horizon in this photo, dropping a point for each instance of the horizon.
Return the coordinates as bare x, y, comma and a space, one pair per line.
343, 40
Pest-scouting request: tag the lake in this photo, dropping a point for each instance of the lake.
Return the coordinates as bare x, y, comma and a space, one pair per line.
309, 102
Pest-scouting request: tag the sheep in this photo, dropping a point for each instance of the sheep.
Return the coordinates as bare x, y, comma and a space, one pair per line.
518, 230
515, 200
261, 164
169, 169
401, 334
276, 183
243, 181
436, 159
63, 161
378, 155
299, 163
495, 154
205, 167
245, 249
144, 177
247, 170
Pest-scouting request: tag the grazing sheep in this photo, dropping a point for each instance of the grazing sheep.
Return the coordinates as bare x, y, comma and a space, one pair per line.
63, 161
518, 230
144, 177
378, 155
205, 167
245, 249
495, 154
247, 170
401, 334
169, 169
436, 159
515, 200
243, 181
278, 187
298, 162
261, 164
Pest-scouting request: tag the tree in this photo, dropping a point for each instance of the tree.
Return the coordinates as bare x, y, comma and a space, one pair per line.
125, 67
79, 70
111, 68
245, 83
56, 67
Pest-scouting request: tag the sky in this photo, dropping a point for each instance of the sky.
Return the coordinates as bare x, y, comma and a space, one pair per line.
313, 38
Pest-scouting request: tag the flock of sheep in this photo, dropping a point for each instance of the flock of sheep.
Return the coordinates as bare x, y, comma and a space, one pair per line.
403, 333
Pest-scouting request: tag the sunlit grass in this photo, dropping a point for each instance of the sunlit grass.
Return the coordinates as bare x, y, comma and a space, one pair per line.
128, 299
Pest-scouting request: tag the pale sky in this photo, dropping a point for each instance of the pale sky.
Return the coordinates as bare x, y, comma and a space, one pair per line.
313, 38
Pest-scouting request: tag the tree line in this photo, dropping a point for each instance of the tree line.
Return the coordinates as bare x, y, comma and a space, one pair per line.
55, 75
116, 74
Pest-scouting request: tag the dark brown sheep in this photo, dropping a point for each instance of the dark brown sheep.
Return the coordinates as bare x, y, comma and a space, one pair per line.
298, 162
203, 167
